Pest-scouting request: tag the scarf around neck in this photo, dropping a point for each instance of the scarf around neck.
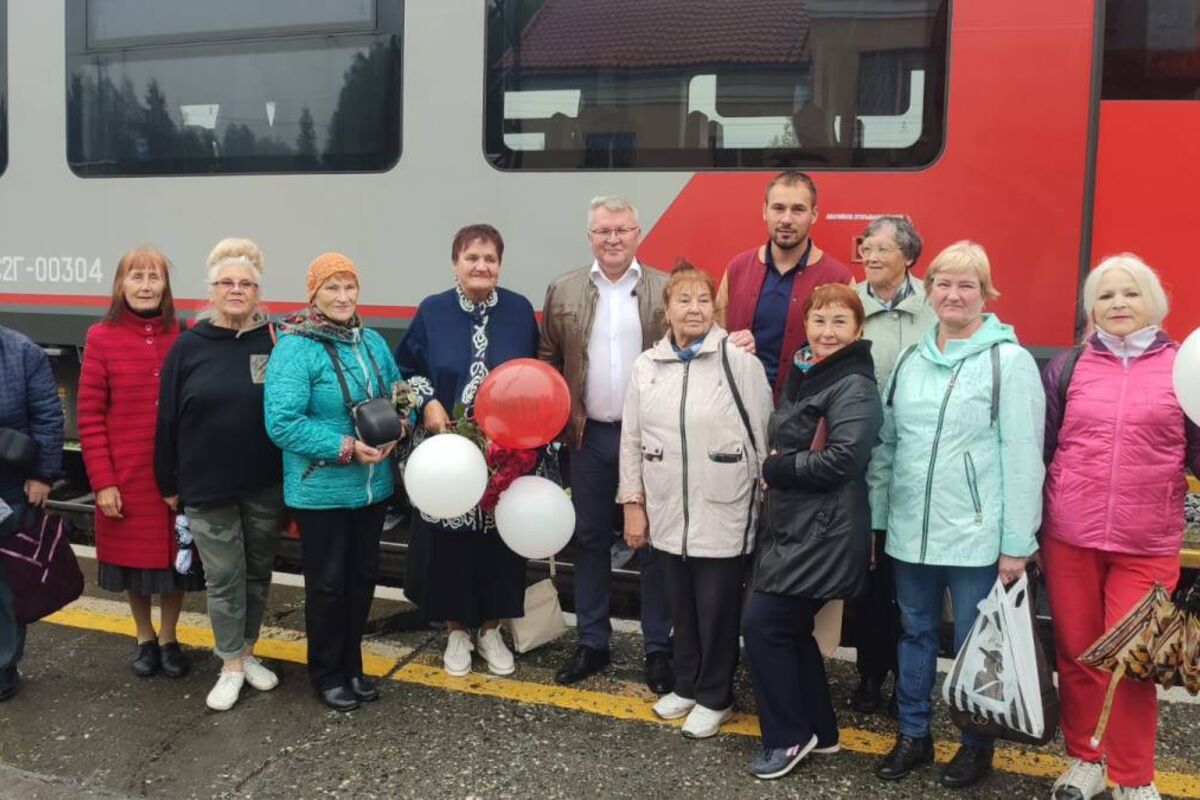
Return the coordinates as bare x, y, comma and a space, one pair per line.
310, 322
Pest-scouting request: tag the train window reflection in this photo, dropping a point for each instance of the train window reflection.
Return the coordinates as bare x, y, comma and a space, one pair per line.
174, 87
628, 84
1151, 50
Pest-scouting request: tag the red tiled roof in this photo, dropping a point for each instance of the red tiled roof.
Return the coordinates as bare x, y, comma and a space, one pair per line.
623, 34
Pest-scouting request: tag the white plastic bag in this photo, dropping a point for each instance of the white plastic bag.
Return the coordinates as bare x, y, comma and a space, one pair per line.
995, 685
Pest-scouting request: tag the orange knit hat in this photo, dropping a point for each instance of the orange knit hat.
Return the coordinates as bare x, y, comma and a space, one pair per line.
324, 267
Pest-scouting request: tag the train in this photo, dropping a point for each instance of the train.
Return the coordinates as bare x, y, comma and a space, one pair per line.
1053, 133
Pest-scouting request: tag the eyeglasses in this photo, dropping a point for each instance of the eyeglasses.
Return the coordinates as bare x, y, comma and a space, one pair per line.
605, 233
229, 284
883, 251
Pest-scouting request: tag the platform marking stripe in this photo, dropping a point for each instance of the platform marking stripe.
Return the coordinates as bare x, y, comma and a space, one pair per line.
1018, 761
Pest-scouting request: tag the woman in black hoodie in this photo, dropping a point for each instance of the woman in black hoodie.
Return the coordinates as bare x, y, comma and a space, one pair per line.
214, 462
814, 544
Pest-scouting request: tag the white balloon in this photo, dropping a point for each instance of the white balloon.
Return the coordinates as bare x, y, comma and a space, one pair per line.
1186, 376
535, 517
445, 476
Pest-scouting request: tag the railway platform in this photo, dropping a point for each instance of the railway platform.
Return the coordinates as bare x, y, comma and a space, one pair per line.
83, 726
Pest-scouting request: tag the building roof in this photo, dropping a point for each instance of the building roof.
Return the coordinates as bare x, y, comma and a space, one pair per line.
625, 34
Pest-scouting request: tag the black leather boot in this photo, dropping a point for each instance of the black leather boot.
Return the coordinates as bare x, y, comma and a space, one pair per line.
909, 753
363, 689
968, 767
339, 698
867, 698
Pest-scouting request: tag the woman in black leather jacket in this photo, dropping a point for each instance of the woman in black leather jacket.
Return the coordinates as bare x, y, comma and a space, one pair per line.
814, 545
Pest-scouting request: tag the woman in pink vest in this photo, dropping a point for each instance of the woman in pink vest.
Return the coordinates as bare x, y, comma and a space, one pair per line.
1117, 444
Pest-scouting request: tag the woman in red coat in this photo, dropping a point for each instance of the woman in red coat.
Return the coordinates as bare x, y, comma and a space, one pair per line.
118, 396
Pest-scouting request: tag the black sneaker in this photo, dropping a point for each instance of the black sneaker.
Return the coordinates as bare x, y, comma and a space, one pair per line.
908, 753
969, 766
147, 660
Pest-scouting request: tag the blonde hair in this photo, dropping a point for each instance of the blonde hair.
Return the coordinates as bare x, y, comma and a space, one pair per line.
233, 251
1143, 276
964, 256
613, 203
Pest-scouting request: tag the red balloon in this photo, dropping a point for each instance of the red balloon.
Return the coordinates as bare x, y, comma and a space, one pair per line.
523, 404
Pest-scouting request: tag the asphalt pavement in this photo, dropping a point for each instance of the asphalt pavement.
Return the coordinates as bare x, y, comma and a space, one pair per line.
83, 726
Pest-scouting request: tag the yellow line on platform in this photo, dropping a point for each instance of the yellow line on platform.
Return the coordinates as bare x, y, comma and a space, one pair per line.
1016, 760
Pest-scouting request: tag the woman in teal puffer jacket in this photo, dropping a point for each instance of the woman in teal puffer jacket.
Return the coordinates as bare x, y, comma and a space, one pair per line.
956, 481
335, 485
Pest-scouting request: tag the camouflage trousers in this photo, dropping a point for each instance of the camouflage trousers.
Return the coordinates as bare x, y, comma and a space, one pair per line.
237, 543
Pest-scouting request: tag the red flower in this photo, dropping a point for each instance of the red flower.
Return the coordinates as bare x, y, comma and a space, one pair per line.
505, 465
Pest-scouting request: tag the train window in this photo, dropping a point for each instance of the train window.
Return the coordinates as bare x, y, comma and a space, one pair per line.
629, 84
1151, 50
176, 87
3, 85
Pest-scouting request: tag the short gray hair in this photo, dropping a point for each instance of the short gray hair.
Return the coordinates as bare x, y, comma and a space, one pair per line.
614, 203
906, 236
1144, 277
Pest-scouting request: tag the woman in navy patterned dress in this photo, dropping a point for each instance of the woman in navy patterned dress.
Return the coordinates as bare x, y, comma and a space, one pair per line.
459, 570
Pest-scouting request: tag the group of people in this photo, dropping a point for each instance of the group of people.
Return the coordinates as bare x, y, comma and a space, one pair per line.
769, 445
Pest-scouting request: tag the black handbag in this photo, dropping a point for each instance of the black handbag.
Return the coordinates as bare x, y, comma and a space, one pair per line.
40, 565
376, 421
18, 450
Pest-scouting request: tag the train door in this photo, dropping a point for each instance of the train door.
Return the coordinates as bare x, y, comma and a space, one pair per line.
1148, 150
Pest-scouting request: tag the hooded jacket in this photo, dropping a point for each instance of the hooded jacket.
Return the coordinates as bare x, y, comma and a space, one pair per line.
685, 448
1116, 481
307, 418
815, 537
211, 445
951, 486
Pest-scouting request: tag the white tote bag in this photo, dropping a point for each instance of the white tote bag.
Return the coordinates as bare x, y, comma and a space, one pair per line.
543, 621
995, 679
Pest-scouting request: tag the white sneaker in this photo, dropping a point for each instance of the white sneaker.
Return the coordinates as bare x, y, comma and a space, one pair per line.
495, 653
258, 676
1083, 779
457, 657
225, 693
672, 706
1147, 792
704, 722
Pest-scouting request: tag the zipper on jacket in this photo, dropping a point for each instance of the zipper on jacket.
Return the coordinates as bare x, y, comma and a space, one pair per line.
687, 365
973, 486
1116, 452
937, 437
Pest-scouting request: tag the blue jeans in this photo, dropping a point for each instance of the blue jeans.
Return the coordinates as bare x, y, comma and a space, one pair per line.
919, 592
12, 633
594, 473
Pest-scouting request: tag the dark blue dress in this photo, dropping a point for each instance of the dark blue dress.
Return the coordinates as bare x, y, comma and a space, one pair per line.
459, 569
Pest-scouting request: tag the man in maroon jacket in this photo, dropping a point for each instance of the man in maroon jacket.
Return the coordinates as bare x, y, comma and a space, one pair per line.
762, 296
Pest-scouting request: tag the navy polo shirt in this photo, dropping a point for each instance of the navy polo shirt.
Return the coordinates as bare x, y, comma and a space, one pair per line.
771, 312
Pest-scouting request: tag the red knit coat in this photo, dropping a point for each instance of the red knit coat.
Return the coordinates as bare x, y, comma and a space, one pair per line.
118, 406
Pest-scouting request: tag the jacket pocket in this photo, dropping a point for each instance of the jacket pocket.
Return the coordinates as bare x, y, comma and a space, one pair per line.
973, 486
656, 479
726, 477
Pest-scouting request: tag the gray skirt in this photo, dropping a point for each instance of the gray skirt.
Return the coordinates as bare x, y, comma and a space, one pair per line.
116, 578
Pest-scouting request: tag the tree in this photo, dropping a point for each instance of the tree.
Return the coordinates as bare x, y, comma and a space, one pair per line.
306, 141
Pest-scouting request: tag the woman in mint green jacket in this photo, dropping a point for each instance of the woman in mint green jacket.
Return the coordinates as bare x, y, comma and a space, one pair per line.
335, 485
956, 481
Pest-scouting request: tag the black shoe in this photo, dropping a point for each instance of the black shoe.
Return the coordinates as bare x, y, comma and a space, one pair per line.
586, 661
659, 675
175, 663
968, 767
908, 753
8, 682
867, 698
363, 689
148, 659
339, 698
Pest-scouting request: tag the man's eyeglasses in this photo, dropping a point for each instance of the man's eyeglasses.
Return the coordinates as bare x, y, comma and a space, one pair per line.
605, 233
229, 284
